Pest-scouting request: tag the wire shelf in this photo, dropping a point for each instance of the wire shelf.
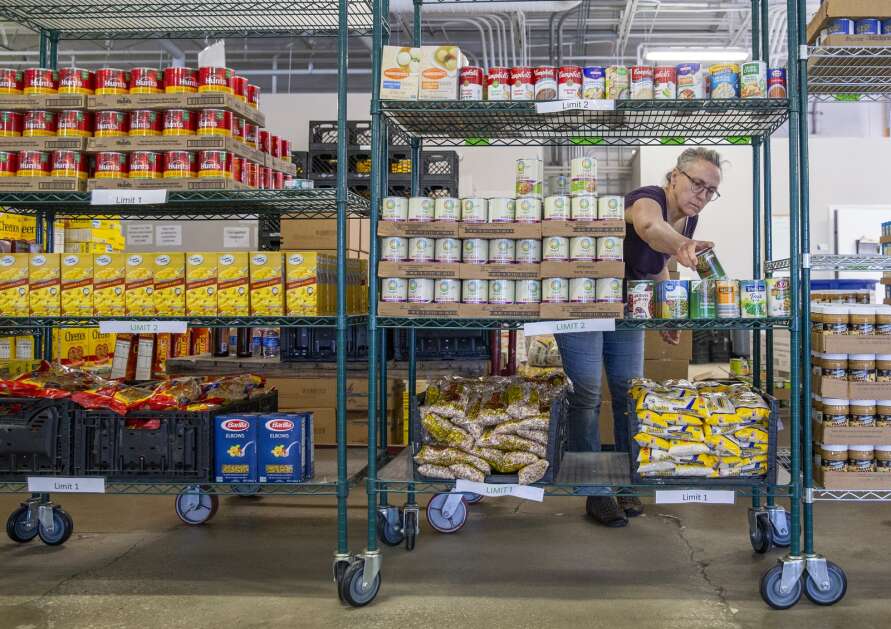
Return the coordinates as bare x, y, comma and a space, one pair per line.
107, 19
193, 205
823, 262
850, 74
632, 123
451, 324
621, 324
784, 458
193, 322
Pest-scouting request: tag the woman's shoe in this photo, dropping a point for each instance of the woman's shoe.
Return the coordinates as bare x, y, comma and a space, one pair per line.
631, 505
605, 510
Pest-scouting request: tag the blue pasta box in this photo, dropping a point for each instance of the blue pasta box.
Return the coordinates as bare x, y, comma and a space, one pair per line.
235, 448
309, 456
282, 445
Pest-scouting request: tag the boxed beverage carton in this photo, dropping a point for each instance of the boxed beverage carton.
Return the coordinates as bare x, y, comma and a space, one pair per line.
169, 291
109, 273
201, 284
400, 70
233, 290
77, 285
235, 448
14, 284
44, 284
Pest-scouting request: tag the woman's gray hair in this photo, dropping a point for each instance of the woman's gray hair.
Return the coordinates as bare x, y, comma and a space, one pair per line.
692, 155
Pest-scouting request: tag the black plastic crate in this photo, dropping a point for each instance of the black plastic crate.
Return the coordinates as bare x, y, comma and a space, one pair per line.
320, 344
359, 133
443, 344
300, 159
439, 188
35, 436
440, 164
323, 134
165, 446
323, 163
396, 156
358, 161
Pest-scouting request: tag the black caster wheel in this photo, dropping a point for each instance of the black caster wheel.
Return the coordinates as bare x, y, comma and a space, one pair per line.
770, 589
781, 537
63, 527
194, 506
352, 591
340, 568
438, 521
472, 499
18, 528
838, 585
761, 535
411, 529
388, 534
248, 490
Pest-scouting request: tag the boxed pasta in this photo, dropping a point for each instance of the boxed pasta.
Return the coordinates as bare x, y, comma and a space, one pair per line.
109, 274
201, 284
233, 290
77, 285
14, 284
169, 290
44, 284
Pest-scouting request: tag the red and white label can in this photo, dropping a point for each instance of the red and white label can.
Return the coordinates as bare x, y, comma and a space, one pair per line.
112, 81
250, 134
145, 165
569, 83
110, 124
215, 80
275, 146
111, 165
268, 179
239, 86
146, 81
253, 95
665, 83
39, 123
522, 85
179, 164
286, 150
215, 122
75, 123
40, 81
498, 84
9, 163
11, 81
33, 164
180, 80
179, 122
470, 83
214, 163
69, 164
145, 122
545, 79
252, 176
642, 82
238, 169
10, 124
76, 81
238, 128
278, 180
265, 141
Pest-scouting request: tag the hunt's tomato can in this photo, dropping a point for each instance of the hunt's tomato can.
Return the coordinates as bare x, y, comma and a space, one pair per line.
76, 81
238, 128
10, 124
146, 81
110, 165
110, 124
250, 134
179, 164
9, 163
11, 81
213, 163
275, 146
145, 165
33, 164
74, 123
253, 95
69, 164
112, 81
214, 80
215, 122
285, 150
238, 169
252, 178
239, 86
40, 81
145, 122
265, 141
39, 123
179, 122
278, 180
268, 179
180, 80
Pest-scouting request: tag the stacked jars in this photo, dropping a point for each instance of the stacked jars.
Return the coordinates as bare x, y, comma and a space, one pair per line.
855, 458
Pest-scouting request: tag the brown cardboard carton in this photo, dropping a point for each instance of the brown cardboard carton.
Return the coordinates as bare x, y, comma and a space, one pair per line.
516, 231
419, 230
853, 480
550, 312
163, 143
424, 311
304, 393
499, 311
188, 183
569, 229
582, 268
202, 100
430, 270
845, 344
666, 369
20, 102
852, 435
42, 184
853, 9
829, 387
317, 233
656, 348
499, 271
49, 143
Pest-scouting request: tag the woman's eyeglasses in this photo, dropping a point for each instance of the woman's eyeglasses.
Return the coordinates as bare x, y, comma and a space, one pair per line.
700, 187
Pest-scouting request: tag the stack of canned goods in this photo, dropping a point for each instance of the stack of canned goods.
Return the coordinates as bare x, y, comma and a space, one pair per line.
861, 26
581, 290
454, 291
708, 299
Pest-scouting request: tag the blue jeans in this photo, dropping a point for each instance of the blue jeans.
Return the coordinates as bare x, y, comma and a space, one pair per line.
584, 355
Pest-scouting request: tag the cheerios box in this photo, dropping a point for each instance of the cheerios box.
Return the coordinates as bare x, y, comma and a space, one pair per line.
139, 285
201, 284
109, 271
235, 448
233, 289
77, 285
14, 284
44, 284
282, 442
169, 292
267, 284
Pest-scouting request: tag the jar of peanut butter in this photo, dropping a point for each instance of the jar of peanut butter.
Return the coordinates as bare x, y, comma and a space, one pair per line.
883, 458
835, 412
883, 367
883, 320
835, 319
817, 408
863, 413
862, 320
862, 368
834, 366
817, 363
816, 317
833, 458
861, 459
883, 413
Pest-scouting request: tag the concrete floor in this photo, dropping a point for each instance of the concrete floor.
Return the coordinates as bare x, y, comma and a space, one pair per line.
516, 564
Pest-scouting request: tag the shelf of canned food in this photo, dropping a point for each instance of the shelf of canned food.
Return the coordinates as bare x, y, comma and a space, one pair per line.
825, 262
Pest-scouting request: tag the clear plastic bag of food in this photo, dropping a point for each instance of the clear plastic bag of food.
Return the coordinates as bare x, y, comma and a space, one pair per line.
656, 468
436, 471
652, 442
536, 422
492, 456
702, 471
447, 397
514, 461
648, 455
467, 472
750, 405
492, 409
533, 472
441, 430
750, 436
709, 460
538, 436
522, 399
450, 456
724, 445
663, 433
686, 448
511, 443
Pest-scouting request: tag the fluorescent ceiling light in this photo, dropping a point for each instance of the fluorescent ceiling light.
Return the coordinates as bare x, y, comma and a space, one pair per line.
696, 54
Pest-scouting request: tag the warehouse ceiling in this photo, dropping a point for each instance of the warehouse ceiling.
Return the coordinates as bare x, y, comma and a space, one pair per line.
496, 33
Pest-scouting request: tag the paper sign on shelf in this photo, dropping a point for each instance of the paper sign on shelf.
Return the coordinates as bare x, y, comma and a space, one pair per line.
696, 496
237, 237
588, 104
128, 197
143, 327
65, 485
169, 235
568, 326
500, 490
140, 234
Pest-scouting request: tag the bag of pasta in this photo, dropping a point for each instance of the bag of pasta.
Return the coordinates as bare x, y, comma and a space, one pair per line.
522, 399
441, 430
447, 397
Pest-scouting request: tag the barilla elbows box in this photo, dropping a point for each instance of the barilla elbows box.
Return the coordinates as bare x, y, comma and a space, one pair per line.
14, 284
281, 447
44, 284
77, 285
309, 452
235, 448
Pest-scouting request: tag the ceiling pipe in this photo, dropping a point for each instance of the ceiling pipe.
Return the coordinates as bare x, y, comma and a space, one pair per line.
495, 35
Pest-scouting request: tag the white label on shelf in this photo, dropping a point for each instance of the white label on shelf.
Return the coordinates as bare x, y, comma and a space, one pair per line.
802, 52
142, 327
128, 197
805, 260
568, 326
169, 235
140, 234
590, 104
698, 496
65, 485
500, 490
237, 237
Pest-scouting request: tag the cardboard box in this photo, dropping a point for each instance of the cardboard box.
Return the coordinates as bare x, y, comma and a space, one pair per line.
569, 229
425, 311
550, 312
45, 284
101, 345
853, 9
516, 231
235, 451
201, 283
47, 144
281, 165
302, 393
71, 345
498, 271
400, 73
233, 284
203, 100
123, 366
656, 348
14, 284
42, 184
325, 427
139, 285
582, 268
432, 270
281, 444
187, 183
851, 435
267, 284
831, 388
77, 285
321, 233
109, 284
161, 143
20, 102
666, 369
852, 480
418, 230
439, 72
845, 344
499, 311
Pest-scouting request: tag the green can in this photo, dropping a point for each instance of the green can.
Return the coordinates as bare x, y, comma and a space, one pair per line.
708, 266
702, 299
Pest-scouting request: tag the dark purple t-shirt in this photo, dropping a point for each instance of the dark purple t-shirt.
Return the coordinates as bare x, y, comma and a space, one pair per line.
641, 260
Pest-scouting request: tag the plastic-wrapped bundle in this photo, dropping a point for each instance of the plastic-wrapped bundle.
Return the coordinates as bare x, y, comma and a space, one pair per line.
451, 456
444, 431
514, 461
447, 397
537, 422
522, 400
492, 456
511, 443
538, 436
467, 472
533, 472
436, 471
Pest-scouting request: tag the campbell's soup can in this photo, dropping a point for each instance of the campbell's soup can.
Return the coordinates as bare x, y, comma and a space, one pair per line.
39, 81
447, 250
112, 81
420, 209
238, 128
502, 292
475, 291
609, 290
447, 210
239, 87
76, 81
74, 123
179, 165
498, 84
214, 80
250, 134
253, 95
11, 81
394, 209
146, 81
522, 84
475, 250
609, 248
38, 123
502, 210
569, 83
528, 210
33, 164
527, 291
179, 122
528, 251
545, 79
145, 165
665, 83
555, 290
180, 80
111, 165
447, 291
582, 248
214, 163
11, 123
69, 164
582, 290
394, 289
641, 82
556, 208
618, 83
421, 249
555, 248
144, 122
584, 208
394, 249
265, 143
776, 82
474, 210
215, 122
594, 82
502, 251
9, 163
420, 291
110, 124
611, 207
470, 83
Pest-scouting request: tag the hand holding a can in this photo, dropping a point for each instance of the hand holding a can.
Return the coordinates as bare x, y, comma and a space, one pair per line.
686, 253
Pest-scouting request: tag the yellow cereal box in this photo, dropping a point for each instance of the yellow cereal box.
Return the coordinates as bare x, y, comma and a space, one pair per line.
139, 286
233, 290
28, 227
95, 223
101, 346
77, 285
109, 272
14, 284
44, 284
302, 286
71, 346
266, 284
201, 284
170, 284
